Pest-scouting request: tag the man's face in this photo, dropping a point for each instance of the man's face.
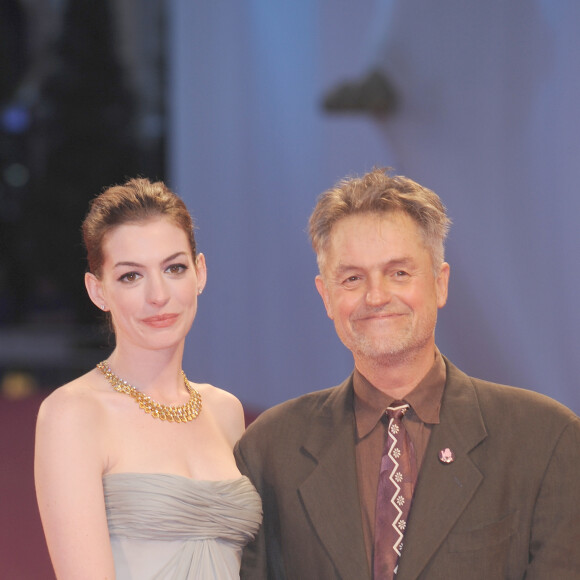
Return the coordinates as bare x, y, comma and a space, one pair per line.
379, 287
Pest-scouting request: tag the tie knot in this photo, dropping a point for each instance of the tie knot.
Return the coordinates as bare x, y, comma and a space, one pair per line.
397, 409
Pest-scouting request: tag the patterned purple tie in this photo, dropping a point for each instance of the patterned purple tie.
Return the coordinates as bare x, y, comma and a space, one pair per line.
394, 494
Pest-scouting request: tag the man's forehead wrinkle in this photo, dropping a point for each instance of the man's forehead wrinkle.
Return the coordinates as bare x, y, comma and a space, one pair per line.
344, 266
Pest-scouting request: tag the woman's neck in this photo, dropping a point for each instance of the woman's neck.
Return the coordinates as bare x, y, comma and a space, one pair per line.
156, 373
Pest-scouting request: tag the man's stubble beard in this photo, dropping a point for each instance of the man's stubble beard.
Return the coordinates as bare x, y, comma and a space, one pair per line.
396, 348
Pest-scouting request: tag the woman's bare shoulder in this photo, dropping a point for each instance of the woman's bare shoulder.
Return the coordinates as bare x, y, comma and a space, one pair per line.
225, 407
217, 396
70, 427
81, 398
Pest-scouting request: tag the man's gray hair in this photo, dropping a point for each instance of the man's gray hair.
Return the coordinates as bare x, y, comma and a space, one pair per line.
380, 192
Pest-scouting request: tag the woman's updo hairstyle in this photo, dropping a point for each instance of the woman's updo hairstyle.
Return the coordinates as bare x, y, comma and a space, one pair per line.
137, 200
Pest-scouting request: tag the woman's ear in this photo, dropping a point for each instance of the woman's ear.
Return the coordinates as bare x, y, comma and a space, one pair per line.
201, 271
95, 291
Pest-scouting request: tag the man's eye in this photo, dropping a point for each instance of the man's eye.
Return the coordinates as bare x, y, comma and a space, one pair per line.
401, 273
351, 280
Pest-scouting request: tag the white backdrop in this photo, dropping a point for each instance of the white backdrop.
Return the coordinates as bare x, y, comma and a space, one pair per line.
489, 119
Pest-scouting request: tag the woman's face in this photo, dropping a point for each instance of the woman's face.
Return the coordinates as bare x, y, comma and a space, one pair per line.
149, 283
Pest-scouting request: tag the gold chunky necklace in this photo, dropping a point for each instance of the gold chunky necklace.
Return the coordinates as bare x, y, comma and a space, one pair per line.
178, 414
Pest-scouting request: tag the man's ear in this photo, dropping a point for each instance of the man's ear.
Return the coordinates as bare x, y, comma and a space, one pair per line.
324, 294
95, 291
442, 283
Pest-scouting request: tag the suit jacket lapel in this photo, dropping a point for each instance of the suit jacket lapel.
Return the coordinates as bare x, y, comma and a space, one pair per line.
444, 490
330, 492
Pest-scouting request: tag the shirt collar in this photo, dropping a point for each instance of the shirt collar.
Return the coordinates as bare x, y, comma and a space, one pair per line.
370, 404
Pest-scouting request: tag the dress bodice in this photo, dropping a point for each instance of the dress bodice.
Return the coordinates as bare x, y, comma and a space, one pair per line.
165, 526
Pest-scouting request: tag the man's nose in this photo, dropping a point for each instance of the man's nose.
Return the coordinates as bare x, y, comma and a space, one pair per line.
378, 291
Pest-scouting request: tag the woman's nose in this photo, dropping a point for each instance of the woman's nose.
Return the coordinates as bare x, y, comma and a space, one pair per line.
157, 291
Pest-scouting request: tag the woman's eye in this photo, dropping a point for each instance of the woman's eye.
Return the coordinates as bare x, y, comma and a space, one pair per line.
129, 277
176, 268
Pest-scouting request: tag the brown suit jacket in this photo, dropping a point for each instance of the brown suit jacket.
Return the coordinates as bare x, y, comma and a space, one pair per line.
508, 507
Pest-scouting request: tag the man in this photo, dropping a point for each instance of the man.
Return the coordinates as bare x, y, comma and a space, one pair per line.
490, 472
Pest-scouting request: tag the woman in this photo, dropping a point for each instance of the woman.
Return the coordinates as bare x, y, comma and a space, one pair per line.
134, 469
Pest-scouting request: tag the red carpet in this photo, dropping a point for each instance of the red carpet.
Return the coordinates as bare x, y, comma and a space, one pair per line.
23, 552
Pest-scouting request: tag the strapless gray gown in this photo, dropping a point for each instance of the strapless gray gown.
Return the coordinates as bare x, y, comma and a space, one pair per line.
169, 527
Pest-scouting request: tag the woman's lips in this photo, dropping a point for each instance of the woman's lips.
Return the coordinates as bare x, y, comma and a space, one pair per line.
161, 320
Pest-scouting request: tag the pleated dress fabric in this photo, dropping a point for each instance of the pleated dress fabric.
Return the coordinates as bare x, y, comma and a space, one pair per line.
169, 527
